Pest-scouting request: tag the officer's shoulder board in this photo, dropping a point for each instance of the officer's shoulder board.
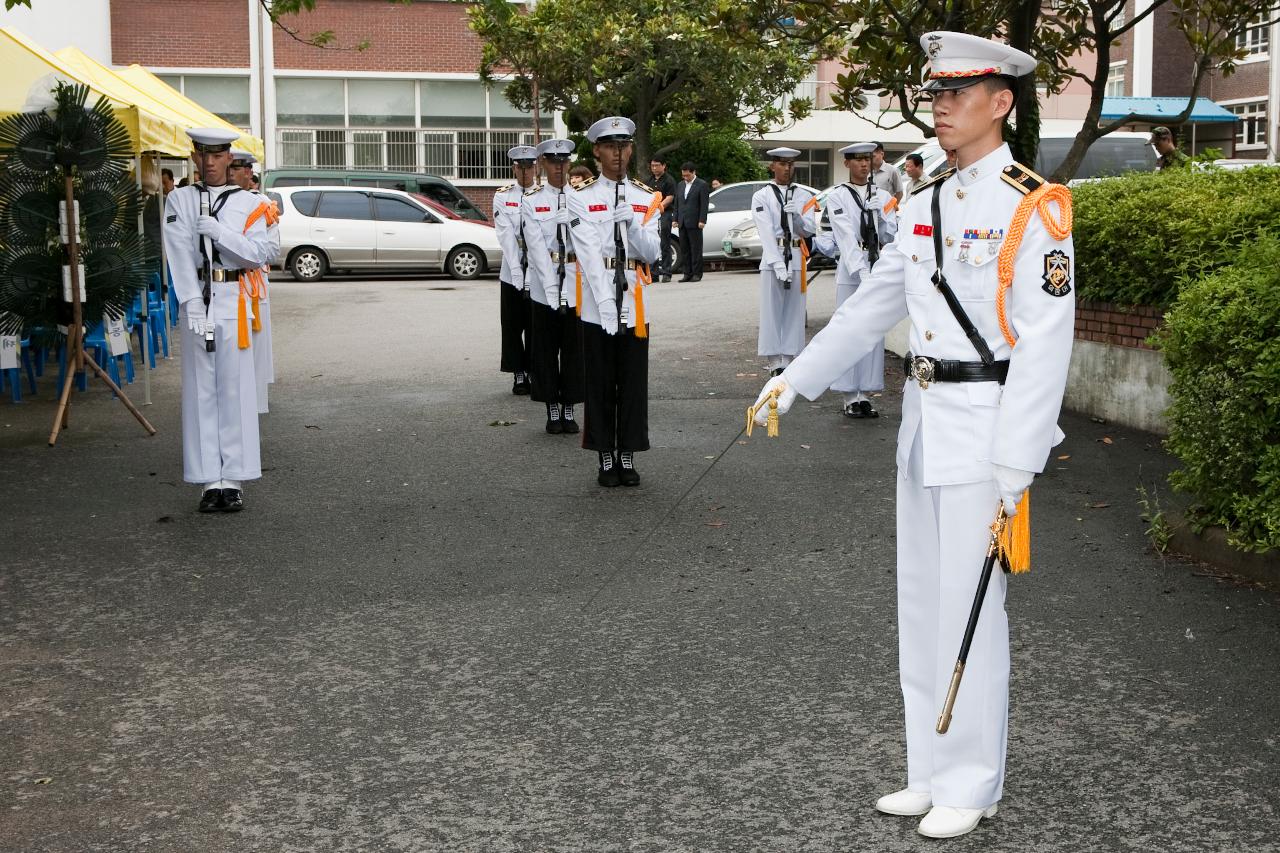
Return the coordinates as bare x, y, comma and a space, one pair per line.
1021, 178
648, 189
588, 182
533, 190
941, 176
502, 190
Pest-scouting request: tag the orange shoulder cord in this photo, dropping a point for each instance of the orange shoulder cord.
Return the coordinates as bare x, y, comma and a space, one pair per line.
811, 204
1015, 537
643, 276
251, 281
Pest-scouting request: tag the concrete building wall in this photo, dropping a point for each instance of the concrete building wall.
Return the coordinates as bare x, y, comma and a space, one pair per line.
54, 24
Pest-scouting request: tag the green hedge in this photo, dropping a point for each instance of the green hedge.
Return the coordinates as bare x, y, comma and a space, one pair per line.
1141, 237
1222, 345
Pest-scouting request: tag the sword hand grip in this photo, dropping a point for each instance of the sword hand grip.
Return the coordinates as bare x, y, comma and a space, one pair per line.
944, 720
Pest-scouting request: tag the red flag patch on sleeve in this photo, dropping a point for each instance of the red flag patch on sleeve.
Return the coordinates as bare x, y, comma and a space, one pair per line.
923, 230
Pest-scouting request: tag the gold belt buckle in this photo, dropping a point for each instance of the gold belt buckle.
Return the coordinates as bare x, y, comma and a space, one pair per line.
922, 371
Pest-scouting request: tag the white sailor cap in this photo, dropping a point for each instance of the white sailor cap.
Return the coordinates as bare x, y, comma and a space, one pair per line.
859, 149
556, 149
783, 153
239, 155
212, 140
618, 128
522, 152
958, 60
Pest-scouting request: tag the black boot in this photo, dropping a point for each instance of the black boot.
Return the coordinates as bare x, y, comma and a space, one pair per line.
555, 426
608, 476
567, 424
627, 473
520, 383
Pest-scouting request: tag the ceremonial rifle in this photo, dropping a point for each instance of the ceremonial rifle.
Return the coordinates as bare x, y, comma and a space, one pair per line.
561, 307
619, 249
206, 246
870, 236
786, 232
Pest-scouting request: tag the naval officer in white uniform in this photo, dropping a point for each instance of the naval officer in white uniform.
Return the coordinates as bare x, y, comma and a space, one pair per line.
556, 352
205, 223
784, 215
973, 433
614, 222
863, 221
514, 312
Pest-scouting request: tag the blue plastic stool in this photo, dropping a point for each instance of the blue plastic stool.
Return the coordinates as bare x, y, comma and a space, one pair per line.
13, 374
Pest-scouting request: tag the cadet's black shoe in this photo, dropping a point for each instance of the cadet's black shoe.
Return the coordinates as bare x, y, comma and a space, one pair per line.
627, 472
777, 371
232, 500
555, 426
868, 410
211, 501
666, 278
687, 278
567, 424
520, 384
608, 475
696, 278
852, 410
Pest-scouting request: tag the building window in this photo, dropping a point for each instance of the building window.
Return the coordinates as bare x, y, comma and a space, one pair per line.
813, 168
226, 97
453, 128
1255, 39
1251, 132
1115, 81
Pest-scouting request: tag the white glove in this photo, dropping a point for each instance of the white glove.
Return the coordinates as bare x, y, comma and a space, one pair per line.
622, 212
608, 317
562, 216
791, 207
1011, 483
195, 315
785, 398
209, 227
780, 270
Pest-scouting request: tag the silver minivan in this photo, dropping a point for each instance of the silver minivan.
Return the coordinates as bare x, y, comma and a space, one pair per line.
348, 228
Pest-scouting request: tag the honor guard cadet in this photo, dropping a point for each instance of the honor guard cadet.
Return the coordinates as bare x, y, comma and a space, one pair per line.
255, 281
863, 221
554, 283
514, 292
784, 216
614, 222
213, 234
982, 265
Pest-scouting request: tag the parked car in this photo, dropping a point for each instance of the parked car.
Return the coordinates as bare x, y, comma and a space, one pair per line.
726, 208
1122, 151
345, 228
432, 186
742, 241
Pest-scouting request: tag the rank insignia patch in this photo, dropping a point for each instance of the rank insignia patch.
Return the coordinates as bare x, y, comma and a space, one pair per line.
173, 217
1057, 273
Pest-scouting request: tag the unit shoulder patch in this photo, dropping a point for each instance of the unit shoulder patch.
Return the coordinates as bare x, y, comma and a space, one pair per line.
1021, 178
1057, 273
588, 182
941, 176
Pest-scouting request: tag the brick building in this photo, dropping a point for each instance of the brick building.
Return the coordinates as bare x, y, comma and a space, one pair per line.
412, 101
1155, 61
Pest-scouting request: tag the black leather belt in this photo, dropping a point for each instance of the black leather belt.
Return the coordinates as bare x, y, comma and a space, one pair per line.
219, 274
611, 263
569, 257
925, 370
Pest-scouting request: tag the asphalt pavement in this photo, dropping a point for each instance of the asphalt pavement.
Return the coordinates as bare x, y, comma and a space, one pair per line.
431, 631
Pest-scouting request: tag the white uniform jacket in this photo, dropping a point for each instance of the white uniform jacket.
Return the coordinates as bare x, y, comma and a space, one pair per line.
538, 211
845, 206
591, 221
236, 248
766, 212
965, 426
506, 221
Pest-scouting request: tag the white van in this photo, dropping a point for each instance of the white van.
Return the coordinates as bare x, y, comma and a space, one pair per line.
1122, 151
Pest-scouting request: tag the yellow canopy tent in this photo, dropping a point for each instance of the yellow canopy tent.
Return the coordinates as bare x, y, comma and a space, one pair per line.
152, 94
25, 62
162, 91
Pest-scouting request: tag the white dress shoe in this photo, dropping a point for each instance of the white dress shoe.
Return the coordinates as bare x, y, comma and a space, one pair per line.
905, 802
948, 821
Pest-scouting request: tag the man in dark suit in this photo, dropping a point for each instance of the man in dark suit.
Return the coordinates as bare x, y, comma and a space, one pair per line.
691, 214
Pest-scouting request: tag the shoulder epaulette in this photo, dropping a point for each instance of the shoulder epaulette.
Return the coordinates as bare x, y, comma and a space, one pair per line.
588, 182
504, 189
533, 190
1021, 178
942, 176
642, 186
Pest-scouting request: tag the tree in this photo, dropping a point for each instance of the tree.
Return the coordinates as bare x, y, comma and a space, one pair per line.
882, 51
706, 63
